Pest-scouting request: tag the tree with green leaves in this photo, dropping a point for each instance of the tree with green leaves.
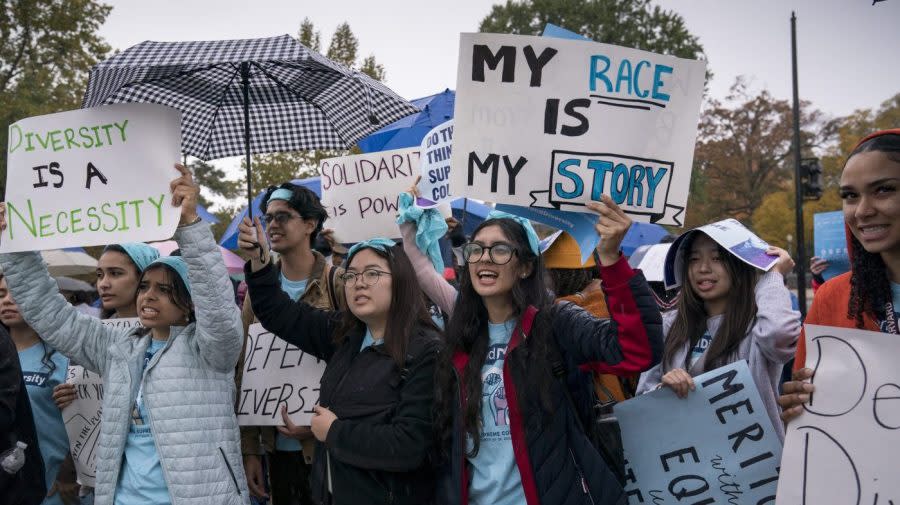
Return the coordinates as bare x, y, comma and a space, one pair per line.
47, 48
629, 23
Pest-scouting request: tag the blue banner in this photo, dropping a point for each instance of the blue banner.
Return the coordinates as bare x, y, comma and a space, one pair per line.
831, 242
717, 445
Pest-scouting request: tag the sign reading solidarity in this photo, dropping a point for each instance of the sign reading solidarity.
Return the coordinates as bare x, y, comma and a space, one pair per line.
91, 177
276, 373
553, 123
361, 192
436, 148
82, 416
719, 444
843, 448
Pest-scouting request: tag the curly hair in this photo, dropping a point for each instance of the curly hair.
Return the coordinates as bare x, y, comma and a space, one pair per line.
870, 287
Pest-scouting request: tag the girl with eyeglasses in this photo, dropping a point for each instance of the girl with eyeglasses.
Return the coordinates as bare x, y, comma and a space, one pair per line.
373, 422
508, 433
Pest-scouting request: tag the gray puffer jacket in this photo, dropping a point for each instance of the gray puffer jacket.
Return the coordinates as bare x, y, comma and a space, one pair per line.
189, 386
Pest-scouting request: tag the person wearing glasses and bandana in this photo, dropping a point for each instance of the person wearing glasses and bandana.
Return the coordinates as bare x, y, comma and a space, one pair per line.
508, 432
373, 425
293, 217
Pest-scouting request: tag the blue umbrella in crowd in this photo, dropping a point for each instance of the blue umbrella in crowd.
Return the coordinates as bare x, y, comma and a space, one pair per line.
410, 130
239, 97
642, 234
229, 238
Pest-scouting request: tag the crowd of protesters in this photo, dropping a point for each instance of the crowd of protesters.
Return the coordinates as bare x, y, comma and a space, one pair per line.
480, 390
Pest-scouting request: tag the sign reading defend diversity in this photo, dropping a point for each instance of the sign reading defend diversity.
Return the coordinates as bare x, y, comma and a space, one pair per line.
553, 123
91, 177
717, 445
277, 373
82, 416
843, 448
361, 192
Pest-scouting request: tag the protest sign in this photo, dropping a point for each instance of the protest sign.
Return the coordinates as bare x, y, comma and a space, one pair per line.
831, 242
844, 447
276, 373
717, 445
437, 145
554, 123
361, 192
91, 177
730, 234
577, 224
82, 416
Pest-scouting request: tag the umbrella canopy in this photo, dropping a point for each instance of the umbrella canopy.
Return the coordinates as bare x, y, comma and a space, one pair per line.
229, 238
69, 263
70, 284
248, 96
409, 131
470, 213
651, 259
233, 262
642, 234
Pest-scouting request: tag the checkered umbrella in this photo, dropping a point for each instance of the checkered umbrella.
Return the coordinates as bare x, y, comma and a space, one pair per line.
248, 96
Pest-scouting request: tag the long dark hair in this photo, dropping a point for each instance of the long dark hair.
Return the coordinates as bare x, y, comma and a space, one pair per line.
407, 314
870, 286
468, 332
108, 313
690, 320
568, 281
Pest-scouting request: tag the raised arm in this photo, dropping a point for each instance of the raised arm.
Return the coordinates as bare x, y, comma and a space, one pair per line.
777, 326
433, 285
309, 328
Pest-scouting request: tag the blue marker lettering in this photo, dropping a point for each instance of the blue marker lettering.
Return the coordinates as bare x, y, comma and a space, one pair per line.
579, 186
642, 93
653, 180
600, 74
600, 167
658, 83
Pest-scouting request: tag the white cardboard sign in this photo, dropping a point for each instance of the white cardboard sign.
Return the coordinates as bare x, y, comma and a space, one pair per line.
361, 192
82, 417
276, 373
844, 447
436, 148
553, 123
91, 176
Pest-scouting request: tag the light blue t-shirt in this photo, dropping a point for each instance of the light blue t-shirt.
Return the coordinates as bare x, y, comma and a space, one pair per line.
369, 341
295, 290
141, 479
40, 381
701, 347
895, 295
495, 476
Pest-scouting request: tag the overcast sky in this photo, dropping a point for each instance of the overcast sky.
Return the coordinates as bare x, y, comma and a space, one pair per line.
847, 48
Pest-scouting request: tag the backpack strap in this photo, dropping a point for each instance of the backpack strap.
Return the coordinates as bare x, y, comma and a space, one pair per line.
332, 271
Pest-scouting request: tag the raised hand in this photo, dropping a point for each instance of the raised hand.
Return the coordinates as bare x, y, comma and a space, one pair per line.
185, 193
785, 264
252, 239
612, 225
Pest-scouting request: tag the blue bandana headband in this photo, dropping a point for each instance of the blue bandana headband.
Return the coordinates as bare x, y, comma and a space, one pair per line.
430, 227
379, 244
176, 263
280, 194
141, 254
533, 241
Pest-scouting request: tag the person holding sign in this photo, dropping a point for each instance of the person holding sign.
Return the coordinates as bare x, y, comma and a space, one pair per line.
373, 423
507, 432
168, 432
43, 369
868, 296
294, 217
726, 312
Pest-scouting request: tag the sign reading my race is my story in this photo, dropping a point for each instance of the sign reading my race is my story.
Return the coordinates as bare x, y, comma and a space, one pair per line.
91, 176
553, 123
361, 192
717, 445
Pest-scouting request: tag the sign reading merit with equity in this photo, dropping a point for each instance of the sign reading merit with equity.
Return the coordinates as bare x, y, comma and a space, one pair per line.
554, 123
91, 176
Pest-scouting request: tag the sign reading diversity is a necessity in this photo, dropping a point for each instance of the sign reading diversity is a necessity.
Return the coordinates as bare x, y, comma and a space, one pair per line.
91, 177
552, 123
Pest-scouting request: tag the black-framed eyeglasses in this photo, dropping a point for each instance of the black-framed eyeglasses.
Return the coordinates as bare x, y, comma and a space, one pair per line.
369, 277
500, 254
280, 217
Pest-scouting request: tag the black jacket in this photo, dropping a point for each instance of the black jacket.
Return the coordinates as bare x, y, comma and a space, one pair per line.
380, 445
27, 486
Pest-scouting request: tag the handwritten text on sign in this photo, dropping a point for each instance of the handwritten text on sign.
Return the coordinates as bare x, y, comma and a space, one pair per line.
82, 417
724, 450
436, 148
361, 192
91, 176
553, 123
276, 373
843, 448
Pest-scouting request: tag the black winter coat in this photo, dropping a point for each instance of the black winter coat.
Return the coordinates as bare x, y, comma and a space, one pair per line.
379, 447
